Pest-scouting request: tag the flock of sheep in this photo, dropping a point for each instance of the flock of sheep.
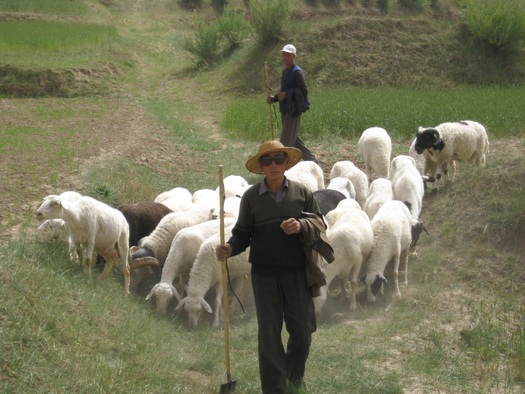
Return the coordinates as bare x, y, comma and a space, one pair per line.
373, 219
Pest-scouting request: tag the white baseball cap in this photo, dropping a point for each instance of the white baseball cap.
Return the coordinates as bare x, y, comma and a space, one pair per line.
290, 49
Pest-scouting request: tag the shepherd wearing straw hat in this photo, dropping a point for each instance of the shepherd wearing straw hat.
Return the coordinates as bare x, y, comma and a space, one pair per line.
270, 224
293, 101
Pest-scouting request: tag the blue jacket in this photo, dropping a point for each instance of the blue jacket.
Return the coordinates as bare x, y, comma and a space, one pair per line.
296, 101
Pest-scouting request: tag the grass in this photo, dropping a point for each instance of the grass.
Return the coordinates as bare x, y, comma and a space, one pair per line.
56, 7
458, 326
43, 36
348, 111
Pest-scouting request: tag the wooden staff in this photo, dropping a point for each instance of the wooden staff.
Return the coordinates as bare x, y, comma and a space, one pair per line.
269, 91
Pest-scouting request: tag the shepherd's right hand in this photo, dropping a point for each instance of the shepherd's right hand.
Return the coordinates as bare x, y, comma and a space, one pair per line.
223, 252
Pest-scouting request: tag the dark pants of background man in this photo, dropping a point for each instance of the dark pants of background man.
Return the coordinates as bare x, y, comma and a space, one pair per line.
290, 135
277, 296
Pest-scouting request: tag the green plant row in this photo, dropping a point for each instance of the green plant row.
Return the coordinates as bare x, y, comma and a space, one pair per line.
348, 112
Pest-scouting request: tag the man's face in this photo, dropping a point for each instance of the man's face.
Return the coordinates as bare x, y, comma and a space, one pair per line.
274, 165
288, 59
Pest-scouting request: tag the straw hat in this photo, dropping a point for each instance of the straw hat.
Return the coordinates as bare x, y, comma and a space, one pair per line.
269, 147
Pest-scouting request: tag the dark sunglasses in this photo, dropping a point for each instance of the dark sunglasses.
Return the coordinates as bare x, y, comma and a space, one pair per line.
266, 160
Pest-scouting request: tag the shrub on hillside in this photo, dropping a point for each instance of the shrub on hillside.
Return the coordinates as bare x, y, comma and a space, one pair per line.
269, 18
206, 41
498, 23
233, 26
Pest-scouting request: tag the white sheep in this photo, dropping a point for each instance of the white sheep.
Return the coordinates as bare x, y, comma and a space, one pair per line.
375, 149
55, 228
234, 185
178, 199
158, 243
205, 198
350, 234
463, 141
344, 185
407, 184
308, 173
346, 168
181, 256
206, 273
392, 239
94, 225
231, 208
380, 192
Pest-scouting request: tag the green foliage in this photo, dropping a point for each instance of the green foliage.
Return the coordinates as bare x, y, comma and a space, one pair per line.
103, 192
39, 35
415, 5
205, 44
233, 26
500, 24
270, 19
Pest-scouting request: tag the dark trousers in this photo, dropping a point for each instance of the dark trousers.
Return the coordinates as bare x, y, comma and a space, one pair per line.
279, 298
290, 136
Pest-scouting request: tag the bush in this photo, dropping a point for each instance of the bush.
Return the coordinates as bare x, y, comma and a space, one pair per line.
500, 24
233, 26
386, 5
268, 19
206, 43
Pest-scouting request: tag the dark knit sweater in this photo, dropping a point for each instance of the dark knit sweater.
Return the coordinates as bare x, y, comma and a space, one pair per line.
258, 226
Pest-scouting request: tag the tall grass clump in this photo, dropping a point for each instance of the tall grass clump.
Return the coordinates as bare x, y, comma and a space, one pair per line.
500, 24
269, 19
37, 35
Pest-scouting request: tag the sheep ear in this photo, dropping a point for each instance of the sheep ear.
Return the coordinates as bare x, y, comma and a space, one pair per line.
180, 305
383, 279
152, 292
206, 306
175, 293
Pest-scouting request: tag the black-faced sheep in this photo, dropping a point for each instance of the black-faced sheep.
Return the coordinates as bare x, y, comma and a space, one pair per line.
463, 141
95, 226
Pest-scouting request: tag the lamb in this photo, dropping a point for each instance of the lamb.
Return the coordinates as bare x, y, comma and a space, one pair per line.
205, 274
464, 141
358, 178
178, 199
327, 199
55, 228
350, 234
380, 192
375, 149
181, 256
392, 238
407, 184
96, 226
143, 218
157, 244
308, 173
343, 185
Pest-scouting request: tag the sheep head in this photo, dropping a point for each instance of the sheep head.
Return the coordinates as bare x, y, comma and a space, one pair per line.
142, 268
163, 293
193, 307
426, 138
50, 208
374, 282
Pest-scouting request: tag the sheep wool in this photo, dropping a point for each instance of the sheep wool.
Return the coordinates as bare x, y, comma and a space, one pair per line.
375, 149
392, 237
380, 192
206, 274
307, 173
346, 168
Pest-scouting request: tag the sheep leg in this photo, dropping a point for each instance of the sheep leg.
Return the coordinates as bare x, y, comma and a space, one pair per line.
396, 275
353, 284
218, 306
110, 260
404, 257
